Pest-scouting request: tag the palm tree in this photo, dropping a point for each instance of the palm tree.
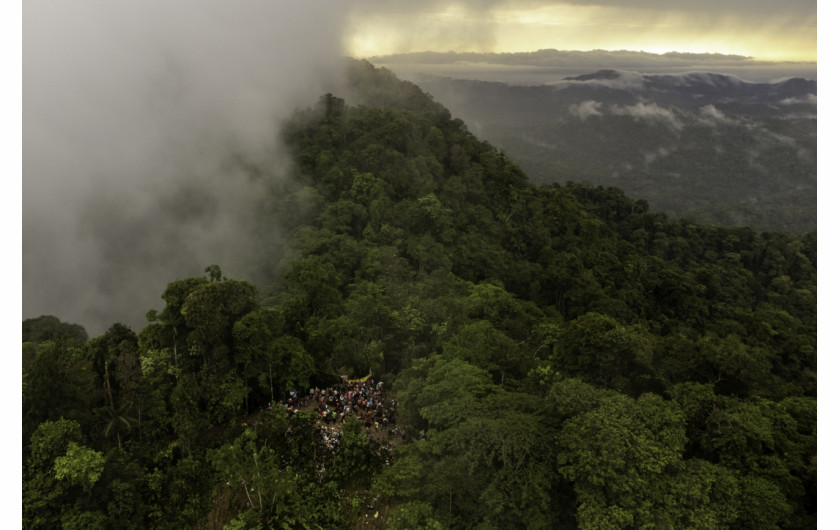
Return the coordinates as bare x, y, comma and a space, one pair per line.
117, 420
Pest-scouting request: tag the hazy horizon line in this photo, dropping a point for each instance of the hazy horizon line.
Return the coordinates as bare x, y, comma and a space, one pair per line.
541, 53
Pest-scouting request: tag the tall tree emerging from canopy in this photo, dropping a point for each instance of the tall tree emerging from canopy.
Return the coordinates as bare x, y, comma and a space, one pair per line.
195, 331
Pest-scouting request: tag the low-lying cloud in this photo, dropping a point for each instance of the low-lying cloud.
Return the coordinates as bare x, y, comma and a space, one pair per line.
134, 117
650, 112
585, 109
810, 99
652, 156
711, 115
641, 111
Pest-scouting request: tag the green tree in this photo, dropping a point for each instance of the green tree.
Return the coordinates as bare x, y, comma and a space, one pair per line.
79, 466
43, 495
114, 356
616, 453
117, 420
485, 458
58, 382
274, 361
599, 350
481, 344
48, 327
413, 515
357, 462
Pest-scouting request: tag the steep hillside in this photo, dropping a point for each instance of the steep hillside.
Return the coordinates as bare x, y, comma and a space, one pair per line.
556, 356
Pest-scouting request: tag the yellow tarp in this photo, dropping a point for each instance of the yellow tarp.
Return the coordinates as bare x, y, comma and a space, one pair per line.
362, 380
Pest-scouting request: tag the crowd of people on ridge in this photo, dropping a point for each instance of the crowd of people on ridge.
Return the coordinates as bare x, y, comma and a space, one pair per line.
364, 399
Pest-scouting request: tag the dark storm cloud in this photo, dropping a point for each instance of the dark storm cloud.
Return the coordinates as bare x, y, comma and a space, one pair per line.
133, 113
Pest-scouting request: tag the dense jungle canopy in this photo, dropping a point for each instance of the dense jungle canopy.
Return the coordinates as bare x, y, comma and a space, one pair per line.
559, 356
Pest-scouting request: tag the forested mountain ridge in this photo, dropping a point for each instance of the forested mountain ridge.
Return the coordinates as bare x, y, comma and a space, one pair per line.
560, 356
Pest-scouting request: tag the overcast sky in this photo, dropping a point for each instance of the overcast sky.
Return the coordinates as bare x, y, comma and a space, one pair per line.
132, 112
765, 29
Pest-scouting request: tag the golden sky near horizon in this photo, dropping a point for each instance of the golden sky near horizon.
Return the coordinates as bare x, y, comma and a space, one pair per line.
769, 30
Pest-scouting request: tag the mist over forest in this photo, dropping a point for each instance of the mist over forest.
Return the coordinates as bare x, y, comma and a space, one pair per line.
438, 336
136, 118
137, 158
270, 285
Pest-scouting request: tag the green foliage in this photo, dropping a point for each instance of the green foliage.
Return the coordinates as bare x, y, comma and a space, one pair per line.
598, 349
80, 465
485, 457
624, 457
51, 440
43, 495
762, 504
270, 471
278, 362
58, 382
84, 520
211, 309
622, 442
560, 356
481, 344
117, 420
413, 515
47, 327
215, 272
357, 461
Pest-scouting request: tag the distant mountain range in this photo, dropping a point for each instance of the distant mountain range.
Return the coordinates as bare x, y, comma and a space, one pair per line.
551, 57
711, 147
700, 88
544, 66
